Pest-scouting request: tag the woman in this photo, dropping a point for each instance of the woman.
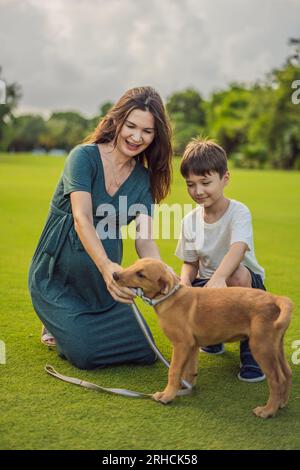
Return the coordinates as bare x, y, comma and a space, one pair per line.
127, 157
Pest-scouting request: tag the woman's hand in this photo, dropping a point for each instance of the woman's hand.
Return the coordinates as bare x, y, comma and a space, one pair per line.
120, 294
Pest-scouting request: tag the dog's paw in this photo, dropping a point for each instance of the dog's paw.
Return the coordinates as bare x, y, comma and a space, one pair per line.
162, 397
284, 403
263, 412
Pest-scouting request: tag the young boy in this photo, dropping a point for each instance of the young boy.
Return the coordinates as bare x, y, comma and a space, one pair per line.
225, 256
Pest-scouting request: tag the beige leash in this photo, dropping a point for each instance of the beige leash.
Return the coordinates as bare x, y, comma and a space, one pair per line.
121, 391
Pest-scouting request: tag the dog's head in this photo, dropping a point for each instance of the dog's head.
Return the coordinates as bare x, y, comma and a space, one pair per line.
153, 276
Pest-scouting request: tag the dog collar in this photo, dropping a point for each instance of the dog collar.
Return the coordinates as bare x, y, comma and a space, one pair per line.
153, 302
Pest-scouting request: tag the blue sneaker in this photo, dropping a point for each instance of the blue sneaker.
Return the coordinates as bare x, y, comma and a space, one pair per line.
250, 370
215, 349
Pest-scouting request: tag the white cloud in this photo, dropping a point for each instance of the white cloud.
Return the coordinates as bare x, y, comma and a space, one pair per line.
76, 55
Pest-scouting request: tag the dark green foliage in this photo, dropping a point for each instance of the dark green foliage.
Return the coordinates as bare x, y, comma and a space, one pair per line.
257, 124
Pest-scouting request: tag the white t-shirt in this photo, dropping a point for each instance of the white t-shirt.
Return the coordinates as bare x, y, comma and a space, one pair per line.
209, 243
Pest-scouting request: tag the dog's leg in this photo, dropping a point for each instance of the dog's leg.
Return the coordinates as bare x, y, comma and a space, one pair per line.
281, 376
180, 357
287, 373
267, 359
190, 372
284, 372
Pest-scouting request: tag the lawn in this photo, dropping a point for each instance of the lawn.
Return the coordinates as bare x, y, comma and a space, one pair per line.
39, 412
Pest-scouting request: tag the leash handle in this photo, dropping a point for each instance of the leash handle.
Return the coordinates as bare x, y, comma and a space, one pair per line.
91, 386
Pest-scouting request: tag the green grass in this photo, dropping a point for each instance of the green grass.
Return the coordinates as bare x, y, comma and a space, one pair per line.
39, 412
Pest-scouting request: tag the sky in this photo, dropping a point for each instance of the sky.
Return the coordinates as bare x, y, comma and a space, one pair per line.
78, 54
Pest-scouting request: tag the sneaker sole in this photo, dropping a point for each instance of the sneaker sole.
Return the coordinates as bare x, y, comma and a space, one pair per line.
212, 353
257, 379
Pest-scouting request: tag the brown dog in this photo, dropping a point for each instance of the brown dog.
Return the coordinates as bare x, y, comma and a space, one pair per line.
193, 317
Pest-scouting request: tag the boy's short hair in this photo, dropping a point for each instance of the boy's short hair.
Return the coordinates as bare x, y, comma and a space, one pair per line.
203, 156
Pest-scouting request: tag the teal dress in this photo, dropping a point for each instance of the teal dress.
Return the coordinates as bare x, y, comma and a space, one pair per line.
67, 290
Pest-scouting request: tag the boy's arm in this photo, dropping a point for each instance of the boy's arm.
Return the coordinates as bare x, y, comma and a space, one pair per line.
229, 264
189, 271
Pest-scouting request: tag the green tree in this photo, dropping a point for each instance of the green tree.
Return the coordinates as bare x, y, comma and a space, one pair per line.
104, 108
183, 132
284, 136
189, 105
254, 150
187, 112
27, 130
64, 130
13, 95
227, 113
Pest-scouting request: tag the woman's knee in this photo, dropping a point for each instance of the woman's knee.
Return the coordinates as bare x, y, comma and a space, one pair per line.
147, 360
86, 355
78, 353
81, 361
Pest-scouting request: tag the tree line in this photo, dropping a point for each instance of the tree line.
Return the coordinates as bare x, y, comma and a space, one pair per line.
257, 124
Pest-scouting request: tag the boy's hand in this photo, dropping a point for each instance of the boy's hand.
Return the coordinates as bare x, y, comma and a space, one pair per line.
216, 282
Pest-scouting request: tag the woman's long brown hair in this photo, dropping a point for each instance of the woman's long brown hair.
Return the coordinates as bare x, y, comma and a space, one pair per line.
158, 156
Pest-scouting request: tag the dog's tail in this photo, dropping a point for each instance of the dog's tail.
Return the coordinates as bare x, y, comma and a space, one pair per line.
286, 306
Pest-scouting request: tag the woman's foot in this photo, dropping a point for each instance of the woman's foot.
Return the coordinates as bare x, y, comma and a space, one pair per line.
47, 338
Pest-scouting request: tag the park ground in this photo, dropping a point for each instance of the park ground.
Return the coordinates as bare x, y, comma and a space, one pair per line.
39, 412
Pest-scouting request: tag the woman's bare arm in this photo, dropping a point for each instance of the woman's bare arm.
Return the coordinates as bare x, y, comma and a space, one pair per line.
81, 203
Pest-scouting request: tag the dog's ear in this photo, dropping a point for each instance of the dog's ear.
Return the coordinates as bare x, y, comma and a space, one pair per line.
165, 282
164, 286
171, 270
